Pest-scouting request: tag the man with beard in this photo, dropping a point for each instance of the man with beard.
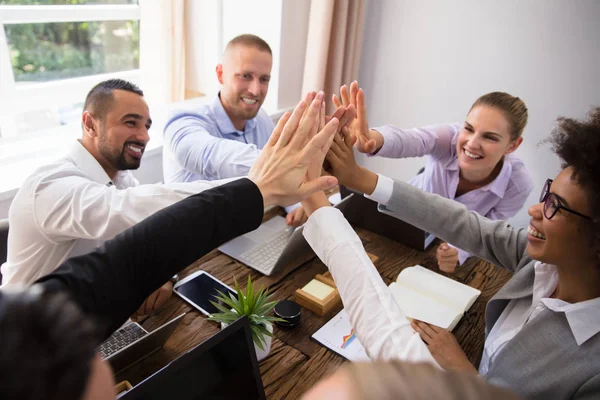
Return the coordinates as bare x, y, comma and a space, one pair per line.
73, 205
222, 139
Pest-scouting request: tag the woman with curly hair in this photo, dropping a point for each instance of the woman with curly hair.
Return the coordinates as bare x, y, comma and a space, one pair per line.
542, 327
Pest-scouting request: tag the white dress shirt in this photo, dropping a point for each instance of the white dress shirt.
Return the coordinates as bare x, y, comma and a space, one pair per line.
71, 206
379, 323
583, 317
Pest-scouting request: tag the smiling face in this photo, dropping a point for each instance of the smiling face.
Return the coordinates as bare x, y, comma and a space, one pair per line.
561, 240
482, 142
244, 76
119, 139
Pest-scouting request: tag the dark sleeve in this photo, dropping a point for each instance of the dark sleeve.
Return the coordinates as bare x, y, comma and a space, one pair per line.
113, 281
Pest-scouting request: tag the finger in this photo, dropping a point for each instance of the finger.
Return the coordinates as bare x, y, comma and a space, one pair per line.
302, 132
164, 294
316, 185
425, 327
426, 338
289, 219
336, 147
447, 257
310, 96
278, 129
292, 123
317, 148
149, 303
448, 268
361, 111
345, 96
336, 101
349, 139
444, 246
348, 116
353, 93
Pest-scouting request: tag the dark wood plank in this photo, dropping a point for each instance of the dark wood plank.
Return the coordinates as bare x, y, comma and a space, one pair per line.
297, 362
279, 366
323, 363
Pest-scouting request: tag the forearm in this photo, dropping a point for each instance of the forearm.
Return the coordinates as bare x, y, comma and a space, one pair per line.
359, 179
451, 221
377, 320
113, 281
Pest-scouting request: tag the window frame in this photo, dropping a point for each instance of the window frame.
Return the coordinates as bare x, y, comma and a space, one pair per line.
15, 99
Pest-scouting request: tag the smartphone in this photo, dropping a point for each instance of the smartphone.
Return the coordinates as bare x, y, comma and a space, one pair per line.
199, 289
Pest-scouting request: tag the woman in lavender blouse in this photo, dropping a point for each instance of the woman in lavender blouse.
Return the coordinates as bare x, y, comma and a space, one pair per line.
471, 162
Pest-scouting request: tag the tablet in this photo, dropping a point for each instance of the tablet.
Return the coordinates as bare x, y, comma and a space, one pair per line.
199, 289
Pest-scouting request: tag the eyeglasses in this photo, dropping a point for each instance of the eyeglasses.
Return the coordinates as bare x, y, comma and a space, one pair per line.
552, 203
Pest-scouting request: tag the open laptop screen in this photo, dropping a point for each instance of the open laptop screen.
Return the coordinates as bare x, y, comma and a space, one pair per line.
223, 367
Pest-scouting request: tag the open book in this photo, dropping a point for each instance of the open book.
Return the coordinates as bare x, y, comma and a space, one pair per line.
430, 297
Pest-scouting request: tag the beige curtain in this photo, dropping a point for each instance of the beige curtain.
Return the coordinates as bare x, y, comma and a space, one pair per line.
335, 31
162, 50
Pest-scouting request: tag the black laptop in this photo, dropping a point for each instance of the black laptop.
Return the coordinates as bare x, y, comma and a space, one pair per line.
223, 367
363, 213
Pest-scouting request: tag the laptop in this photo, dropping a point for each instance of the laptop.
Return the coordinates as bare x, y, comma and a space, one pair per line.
272, 246
223, 367
132, 343
364, 213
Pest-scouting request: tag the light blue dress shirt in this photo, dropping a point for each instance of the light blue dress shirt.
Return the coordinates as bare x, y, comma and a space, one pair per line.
204, 145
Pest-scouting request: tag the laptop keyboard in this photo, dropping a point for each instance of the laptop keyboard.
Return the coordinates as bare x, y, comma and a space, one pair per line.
122, 338
264, 256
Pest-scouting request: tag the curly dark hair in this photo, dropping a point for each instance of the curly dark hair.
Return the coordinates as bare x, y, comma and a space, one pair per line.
577, 143
47, 346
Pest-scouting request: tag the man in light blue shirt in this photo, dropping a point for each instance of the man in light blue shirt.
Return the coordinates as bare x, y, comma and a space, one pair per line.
222, 139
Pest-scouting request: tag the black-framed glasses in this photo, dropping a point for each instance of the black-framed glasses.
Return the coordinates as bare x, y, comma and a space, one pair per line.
552, 203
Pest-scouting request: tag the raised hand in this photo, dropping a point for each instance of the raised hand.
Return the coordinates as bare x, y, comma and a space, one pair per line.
280, 172
367, 140
447, 258
344, 167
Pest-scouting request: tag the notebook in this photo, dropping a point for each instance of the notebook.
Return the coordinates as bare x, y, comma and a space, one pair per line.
421, 294
431, 297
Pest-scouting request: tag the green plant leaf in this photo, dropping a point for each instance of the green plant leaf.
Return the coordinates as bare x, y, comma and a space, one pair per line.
229, 300
250, 298
258, 337
241, 298
222, 309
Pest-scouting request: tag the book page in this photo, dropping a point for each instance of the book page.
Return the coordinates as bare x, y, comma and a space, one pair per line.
416, 305
438, 287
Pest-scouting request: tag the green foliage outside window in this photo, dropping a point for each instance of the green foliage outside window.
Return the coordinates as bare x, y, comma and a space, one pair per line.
50, 51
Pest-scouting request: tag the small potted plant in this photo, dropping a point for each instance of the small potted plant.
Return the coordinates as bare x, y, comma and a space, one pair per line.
255, 305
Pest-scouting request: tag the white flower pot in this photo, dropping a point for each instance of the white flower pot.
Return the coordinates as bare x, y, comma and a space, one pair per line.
260, 354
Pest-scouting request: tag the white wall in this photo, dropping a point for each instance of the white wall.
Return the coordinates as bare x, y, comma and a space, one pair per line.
427, 61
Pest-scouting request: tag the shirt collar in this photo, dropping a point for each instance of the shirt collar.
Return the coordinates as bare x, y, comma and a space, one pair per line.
88, 164
583, 317
224, 123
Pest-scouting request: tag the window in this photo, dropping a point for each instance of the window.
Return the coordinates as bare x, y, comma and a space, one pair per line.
53, 51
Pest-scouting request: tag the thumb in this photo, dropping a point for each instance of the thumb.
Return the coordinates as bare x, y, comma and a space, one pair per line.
316, 185
444, 246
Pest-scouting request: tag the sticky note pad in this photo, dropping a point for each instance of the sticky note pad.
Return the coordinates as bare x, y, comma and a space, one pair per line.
318, 289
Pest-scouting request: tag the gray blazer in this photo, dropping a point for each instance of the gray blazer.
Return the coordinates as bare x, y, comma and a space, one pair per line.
543, 361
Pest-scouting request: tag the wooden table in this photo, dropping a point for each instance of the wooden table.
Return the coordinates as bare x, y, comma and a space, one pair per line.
296, 362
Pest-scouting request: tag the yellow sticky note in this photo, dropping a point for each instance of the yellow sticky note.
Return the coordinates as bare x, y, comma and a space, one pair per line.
318, 289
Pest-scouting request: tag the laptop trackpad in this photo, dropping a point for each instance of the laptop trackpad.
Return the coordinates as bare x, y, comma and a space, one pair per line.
239, 245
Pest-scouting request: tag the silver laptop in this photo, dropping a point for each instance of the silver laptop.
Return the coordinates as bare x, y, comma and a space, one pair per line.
272, 246
131, 343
